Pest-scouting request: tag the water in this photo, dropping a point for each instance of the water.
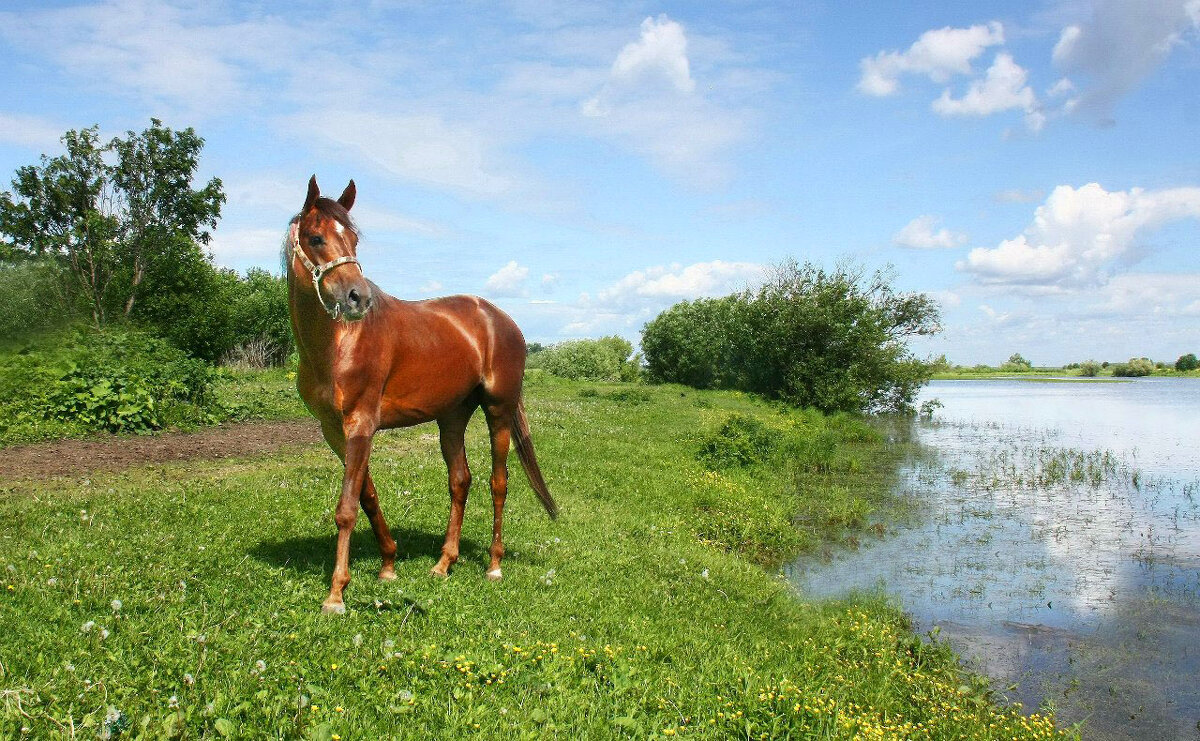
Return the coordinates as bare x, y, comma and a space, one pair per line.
1057, 546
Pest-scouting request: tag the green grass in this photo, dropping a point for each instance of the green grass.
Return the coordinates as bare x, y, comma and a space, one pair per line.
184, 599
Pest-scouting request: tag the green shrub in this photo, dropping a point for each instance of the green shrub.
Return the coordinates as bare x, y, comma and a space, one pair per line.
1134, 368
1187, 362
832, 340
1089, 368
741, 441
33, 299
117, 380
605, 359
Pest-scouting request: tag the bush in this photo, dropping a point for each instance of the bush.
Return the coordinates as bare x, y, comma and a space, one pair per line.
1187, 362
33, 298
1089, 368
835, 341
605, 359
116, 380
741, 441
1016, 363
1134, 368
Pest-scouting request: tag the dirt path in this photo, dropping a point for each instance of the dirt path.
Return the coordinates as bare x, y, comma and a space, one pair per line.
80, 457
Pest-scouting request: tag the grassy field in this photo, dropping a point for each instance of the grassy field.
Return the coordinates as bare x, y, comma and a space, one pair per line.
183, 600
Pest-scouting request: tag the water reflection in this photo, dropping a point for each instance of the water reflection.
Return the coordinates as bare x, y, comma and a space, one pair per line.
1059, 546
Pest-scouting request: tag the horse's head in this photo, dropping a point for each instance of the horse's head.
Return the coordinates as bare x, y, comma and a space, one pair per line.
324, 239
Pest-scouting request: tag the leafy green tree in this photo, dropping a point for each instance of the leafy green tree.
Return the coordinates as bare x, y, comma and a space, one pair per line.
1089, 368
118, 227
605, 359
833, 340
1016, 363
1135, 367
153, 176
1187, 362
259, 315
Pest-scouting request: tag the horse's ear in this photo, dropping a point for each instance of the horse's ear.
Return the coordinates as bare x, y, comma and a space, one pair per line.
313, 194
347, 198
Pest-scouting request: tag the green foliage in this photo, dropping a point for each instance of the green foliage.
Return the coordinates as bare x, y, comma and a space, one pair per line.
34, 298
832, 340
1089, 368
1187, 362
117, 227
1134, 368
1016, 363
742, 440
116, 380
605, 359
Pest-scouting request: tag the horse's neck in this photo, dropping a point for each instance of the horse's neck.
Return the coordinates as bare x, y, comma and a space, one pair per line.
312, 327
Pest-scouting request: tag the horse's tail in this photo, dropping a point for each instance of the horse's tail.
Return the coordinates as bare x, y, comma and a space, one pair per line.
529, 462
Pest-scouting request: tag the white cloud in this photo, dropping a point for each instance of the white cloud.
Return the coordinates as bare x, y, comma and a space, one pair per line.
1078, 236
30, 131
650, 103
417, 148
938, 54
508, 280
1018, 195
660, 284
661, 52
1002, 89
919, 234
244, 248
1121, 43
431, 286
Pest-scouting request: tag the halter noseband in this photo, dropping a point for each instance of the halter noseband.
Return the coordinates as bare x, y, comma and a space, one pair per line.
320, 271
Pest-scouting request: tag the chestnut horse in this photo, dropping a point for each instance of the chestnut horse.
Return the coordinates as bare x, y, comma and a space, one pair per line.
369, 362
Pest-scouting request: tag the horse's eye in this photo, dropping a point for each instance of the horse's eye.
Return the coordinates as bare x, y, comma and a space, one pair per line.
316, 241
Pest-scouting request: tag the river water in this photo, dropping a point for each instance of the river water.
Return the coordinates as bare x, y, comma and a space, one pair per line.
1056, 545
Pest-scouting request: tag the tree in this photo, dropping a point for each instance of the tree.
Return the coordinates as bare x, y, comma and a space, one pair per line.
1089, 368
113, 225
1016, 363
1187, 362
834, 340
153, 175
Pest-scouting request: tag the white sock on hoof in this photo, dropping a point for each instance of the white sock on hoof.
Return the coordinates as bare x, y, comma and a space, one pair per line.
495, 575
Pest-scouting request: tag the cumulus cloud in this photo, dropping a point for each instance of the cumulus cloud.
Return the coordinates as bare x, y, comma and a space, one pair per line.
1078, 236
243, 248
664, 284
650, 102
508, 280
1119, 45
938, 54
1003, 88
919, 234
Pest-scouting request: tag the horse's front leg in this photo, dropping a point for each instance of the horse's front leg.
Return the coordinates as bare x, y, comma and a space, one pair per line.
358, 451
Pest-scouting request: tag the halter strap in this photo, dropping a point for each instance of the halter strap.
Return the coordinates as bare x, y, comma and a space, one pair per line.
319, 271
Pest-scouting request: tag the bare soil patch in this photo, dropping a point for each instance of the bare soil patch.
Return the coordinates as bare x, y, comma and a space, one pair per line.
80, 457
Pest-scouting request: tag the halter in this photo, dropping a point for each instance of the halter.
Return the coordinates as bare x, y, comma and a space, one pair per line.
320, 271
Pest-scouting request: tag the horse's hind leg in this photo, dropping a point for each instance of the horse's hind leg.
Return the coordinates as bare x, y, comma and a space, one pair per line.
453, 441
499, 419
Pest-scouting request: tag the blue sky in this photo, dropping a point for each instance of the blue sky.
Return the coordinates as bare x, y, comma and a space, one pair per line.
1035, 166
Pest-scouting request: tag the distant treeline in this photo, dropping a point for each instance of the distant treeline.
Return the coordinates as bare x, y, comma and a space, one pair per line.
1133, 367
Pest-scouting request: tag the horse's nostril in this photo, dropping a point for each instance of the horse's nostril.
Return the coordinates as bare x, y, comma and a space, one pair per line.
354, 297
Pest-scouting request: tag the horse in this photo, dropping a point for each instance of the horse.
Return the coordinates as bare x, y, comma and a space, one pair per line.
369, 361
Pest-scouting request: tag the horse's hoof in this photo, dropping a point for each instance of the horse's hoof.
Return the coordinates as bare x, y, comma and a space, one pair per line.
333, 608
387, 574
495, 575
439, 571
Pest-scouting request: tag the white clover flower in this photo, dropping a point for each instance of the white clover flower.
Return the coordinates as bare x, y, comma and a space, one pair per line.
389, 644
103, 633
116, 605
189, 680
87, 627
260, 666
51, 581
358, 639
173, 702
704, 574
405, 695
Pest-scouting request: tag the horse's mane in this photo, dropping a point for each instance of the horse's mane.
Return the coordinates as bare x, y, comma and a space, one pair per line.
327, 207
